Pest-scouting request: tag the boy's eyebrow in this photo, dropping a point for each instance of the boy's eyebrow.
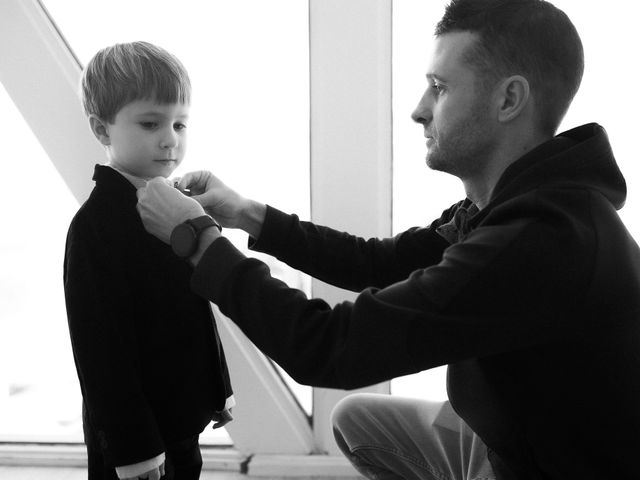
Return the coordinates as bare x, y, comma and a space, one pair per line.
150, 113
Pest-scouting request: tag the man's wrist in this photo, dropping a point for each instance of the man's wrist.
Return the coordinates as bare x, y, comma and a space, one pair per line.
185, 237
207, 237
253, 218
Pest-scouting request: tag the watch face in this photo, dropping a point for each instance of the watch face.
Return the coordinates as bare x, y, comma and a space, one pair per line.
201, 223
183, 240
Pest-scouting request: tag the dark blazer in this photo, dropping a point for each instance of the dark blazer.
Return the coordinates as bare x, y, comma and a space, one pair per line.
151, 367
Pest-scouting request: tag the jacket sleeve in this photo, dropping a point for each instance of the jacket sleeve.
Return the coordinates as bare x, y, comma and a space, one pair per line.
345, 260
103, 337
482, 299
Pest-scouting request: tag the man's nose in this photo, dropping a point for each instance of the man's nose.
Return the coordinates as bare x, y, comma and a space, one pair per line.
423, 113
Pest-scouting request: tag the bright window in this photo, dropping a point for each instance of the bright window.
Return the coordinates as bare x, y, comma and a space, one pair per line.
606, 96
248, 63
39, 393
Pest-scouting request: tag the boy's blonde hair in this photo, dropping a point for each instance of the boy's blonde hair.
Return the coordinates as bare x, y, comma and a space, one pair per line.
126, 72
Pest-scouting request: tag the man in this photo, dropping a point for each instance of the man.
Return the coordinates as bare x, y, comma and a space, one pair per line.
529, 289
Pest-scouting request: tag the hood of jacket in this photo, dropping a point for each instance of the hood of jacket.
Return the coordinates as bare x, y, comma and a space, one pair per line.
578, 157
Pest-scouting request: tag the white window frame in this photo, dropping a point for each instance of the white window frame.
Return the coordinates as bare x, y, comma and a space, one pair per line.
351, 165
351, 140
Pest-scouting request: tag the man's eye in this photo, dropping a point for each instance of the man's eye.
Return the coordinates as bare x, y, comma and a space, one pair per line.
437, 88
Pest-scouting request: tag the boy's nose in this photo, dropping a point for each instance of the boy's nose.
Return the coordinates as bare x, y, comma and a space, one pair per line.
169, 139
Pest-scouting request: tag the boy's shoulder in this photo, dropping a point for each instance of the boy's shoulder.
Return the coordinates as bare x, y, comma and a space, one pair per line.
111, 204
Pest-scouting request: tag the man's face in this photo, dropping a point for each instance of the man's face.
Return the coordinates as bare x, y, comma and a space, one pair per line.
148, 139
455, 110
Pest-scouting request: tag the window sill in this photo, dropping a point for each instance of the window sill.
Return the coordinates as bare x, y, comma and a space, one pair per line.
75, 455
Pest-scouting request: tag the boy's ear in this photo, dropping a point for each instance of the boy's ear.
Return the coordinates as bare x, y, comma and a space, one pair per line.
99, 129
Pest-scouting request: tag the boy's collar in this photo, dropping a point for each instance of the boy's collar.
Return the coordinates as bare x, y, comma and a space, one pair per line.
135, 181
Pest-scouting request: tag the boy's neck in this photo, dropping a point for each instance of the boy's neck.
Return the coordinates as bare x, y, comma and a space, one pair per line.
137, 182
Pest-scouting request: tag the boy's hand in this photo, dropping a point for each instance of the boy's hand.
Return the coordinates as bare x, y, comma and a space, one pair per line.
153, 474
220, 419
162, 208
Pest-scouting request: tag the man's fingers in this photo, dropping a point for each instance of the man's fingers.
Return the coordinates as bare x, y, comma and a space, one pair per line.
195, 181
199, 198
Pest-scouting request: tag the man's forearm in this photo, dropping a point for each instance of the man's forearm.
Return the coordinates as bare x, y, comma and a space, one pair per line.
207, 237
250, 221
252, 218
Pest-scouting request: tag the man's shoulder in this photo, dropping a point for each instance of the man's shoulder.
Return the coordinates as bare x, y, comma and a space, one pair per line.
556, 204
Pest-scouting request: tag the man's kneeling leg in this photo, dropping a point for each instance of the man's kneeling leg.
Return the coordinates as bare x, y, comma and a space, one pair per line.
387, 437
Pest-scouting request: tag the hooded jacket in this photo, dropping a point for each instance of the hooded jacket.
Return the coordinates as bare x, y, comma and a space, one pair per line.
533, 302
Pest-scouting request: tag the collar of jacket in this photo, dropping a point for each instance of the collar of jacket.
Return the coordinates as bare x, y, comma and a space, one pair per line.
118, 186
579, 157
459, 226
135, 181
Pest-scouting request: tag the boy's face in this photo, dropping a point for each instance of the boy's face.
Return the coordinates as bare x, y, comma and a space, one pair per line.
148, 139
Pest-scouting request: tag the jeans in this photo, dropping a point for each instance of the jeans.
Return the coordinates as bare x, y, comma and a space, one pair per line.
390, 438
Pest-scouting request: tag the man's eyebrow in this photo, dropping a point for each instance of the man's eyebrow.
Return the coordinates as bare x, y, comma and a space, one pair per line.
435, 77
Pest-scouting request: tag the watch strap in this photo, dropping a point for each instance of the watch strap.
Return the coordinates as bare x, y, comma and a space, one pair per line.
202, 223
185, 237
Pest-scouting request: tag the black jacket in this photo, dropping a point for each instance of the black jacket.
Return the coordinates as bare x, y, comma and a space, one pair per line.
151, 367
535, 308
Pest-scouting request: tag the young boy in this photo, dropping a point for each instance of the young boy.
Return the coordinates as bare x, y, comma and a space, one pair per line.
151, 367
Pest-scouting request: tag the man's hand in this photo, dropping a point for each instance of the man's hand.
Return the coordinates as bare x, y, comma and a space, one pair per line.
231, 209
163, 207
219, 201
153, 474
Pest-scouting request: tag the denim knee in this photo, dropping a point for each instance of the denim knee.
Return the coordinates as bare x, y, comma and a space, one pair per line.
346, 410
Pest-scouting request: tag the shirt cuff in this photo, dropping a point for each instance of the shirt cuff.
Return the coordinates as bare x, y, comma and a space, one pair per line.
136, 469
230, 403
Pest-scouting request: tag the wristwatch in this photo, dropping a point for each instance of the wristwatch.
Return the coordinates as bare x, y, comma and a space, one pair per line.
184, 238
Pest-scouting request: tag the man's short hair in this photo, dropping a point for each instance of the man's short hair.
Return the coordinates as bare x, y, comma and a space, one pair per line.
531, 38
126, 72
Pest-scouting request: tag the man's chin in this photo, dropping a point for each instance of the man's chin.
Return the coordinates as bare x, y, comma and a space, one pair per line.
433, 162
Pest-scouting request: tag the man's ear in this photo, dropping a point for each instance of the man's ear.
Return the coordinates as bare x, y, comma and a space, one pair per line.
100, 129
514, 97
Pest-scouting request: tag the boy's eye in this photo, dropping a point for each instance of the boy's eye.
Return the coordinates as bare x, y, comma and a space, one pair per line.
179, 126
148, 125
